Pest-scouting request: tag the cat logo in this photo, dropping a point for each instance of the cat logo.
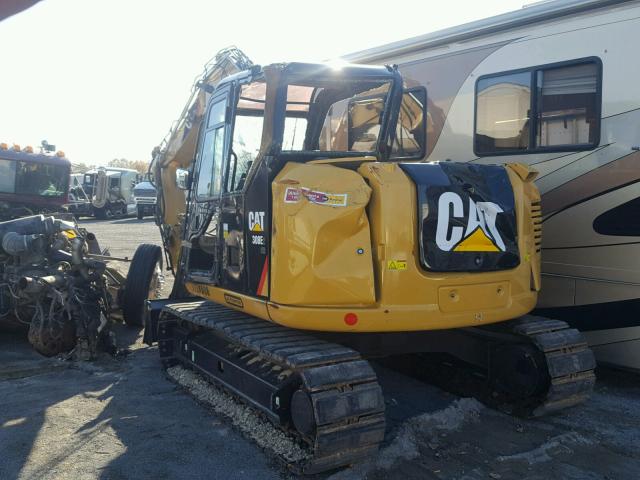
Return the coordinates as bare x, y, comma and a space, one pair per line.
480, 234
256, 222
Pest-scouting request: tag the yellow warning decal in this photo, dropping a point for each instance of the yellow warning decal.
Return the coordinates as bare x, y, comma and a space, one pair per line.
397, 265
478, 241
70, 234
233, 300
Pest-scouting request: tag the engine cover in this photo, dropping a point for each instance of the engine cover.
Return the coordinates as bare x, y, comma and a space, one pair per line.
466, 215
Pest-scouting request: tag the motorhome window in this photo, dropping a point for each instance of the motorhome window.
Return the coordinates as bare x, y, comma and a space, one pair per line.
410, 135
209, 181
333, 117
247, 133
567, 105
503, 105
547, 108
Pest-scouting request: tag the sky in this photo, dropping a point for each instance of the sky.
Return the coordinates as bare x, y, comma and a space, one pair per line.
105, 79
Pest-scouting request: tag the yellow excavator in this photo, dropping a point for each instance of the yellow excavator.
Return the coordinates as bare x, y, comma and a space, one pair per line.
306, 237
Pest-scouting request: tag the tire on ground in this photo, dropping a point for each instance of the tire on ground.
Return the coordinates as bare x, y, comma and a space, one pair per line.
136, 290
100, 213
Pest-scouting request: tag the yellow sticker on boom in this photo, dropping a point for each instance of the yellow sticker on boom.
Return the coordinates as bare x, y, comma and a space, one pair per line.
397, 265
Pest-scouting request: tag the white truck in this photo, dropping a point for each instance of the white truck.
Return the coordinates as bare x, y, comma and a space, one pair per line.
144, 194
111, 191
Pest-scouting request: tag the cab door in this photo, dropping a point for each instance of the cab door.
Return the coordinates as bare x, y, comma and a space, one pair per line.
203, 235
244, 214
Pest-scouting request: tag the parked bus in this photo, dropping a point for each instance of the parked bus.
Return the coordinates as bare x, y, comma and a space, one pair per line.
32, 183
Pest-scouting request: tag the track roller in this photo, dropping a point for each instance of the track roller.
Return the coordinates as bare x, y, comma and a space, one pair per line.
529, 367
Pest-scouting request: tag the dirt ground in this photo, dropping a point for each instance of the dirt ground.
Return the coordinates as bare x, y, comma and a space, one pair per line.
121, 418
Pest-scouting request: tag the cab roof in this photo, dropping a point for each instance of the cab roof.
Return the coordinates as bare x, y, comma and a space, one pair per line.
10, 154
315, 70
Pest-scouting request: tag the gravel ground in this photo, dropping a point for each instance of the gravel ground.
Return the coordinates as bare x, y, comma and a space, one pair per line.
120, 418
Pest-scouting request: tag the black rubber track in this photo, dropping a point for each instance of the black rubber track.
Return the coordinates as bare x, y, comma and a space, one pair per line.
139, 277
346, 407
560, 353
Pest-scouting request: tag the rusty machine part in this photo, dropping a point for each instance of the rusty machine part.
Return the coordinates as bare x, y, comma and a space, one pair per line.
49, 283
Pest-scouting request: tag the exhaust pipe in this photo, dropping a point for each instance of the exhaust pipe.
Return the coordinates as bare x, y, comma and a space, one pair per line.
76, 257
92, 244
81, 263
38, 284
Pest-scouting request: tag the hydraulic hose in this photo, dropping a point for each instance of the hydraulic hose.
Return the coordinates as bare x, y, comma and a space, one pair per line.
77, 258
16, 244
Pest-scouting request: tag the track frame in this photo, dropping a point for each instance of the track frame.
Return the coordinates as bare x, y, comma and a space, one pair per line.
323, 393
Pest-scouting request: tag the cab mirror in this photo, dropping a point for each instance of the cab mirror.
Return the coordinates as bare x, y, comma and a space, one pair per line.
183, 179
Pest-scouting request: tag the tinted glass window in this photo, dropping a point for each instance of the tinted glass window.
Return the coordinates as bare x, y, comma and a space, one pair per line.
247, 133
216, 114
502, 113
334, 116
41, 179
410, 136
211, 155
210, 174
561, 108
567, 113
294, 131
7, 176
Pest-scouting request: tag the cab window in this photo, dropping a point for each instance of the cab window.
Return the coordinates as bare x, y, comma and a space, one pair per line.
410, 137
209, 181
247, 134
334, 118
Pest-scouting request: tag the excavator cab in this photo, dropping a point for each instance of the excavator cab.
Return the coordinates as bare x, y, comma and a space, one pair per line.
260, 120
308, 206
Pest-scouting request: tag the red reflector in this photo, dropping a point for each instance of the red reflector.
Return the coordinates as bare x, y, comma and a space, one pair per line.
350, 319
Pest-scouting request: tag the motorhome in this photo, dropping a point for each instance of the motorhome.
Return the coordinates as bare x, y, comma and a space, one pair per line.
551, 85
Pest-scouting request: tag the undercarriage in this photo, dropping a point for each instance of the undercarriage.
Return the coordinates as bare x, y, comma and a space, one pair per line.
326, 394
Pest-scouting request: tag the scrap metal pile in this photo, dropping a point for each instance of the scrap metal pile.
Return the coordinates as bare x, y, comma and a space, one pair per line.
55, 280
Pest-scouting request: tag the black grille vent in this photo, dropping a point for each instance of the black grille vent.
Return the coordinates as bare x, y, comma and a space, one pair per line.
536, 215
144, 192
